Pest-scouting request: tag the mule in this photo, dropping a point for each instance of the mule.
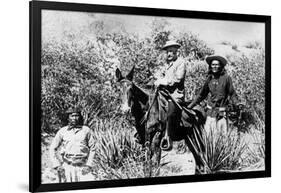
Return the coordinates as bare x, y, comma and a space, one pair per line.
150, 128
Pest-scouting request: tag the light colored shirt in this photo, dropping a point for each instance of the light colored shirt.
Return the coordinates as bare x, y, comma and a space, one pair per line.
75, 142
173, 76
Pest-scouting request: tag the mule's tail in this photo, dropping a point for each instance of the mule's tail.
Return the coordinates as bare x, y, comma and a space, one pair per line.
196, 145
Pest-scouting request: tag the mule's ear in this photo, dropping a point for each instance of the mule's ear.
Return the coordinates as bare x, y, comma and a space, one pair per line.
131, 74
118, 75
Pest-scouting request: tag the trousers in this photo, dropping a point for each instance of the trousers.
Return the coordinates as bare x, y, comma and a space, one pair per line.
74, 173
216, 126
173, 119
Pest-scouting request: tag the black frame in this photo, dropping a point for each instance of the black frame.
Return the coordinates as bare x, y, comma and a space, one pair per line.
35, 8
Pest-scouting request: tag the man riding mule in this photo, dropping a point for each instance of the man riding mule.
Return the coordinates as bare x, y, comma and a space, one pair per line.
172, 80
157, 117
171, 102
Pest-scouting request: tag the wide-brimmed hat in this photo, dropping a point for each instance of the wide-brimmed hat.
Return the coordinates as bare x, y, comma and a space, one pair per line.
171, 43
221, 59
73, 110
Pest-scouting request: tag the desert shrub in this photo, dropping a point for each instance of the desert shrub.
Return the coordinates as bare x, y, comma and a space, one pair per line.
253, 45
73, 75
248, 74
195, 77
114, 142
190, 41
254, 158
226, 43
222, 151
118, 156
234, 47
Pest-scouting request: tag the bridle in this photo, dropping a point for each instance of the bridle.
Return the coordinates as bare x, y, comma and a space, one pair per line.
129, 96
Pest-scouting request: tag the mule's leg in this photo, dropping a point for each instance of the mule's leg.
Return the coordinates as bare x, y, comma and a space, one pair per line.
196, 146
147, 162
155, 148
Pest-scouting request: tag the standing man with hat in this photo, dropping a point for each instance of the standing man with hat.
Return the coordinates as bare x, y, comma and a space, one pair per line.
222, 93
72, 149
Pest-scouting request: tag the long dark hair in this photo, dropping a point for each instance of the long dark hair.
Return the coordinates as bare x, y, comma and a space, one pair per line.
65, 119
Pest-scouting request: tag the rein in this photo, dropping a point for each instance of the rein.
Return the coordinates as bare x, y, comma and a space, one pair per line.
144, 118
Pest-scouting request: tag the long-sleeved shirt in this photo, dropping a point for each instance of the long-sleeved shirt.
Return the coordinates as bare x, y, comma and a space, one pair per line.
221, 91
78, 143
174, 76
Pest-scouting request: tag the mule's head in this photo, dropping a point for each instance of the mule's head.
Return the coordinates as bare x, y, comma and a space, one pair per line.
136, 101
127, 89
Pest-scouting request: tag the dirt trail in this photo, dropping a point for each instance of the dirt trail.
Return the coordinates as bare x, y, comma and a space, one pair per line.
178, 161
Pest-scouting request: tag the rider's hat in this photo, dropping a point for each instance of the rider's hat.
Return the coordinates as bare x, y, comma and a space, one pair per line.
171, 43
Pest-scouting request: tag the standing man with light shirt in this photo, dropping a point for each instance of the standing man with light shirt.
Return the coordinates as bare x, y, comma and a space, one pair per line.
76, 144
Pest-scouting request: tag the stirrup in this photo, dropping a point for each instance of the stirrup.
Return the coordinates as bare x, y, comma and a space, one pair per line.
166, 144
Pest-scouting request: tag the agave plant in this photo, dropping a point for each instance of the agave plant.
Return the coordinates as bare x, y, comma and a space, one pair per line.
255, 151
113, 142
222, 152
118, 155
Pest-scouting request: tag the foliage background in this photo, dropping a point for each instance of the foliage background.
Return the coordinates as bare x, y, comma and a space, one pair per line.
78, 68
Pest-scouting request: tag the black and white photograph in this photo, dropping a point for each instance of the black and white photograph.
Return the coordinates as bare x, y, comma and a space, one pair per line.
127, 96
124, 96
140, 96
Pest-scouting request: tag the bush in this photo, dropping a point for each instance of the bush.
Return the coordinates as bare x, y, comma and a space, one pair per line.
253, 45
118, 155
248, 78
226, 43
234, 47
190, 41
222, 151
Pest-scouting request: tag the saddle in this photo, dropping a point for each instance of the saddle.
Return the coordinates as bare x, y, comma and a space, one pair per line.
194, 116
190, 119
